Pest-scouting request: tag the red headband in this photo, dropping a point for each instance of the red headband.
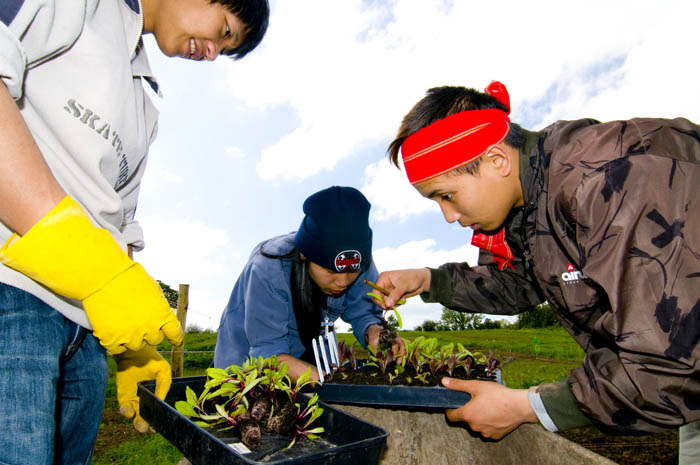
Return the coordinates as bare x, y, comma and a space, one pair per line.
455, 140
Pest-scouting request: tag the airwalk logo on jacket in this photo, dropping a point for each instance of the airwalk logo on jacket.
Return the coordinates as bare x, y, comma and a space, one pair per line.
104, 129
572, 275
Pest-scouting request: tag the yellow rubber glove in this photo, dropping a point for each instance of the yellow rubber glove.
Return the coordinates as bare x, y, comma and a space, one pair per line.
134, 367
65, 252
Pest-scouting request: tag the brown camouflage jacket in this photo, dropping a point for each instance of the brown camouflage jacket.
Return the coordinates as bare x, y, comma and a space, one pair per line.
610, 237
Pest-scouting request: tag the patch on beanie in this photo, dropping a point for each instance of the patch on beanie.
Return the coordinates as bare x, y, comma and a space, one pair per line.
348, 261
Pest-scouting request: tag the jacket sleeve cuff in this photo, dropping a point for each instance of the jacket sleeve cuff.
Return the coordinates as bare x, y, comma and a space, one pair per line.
536, 403
12, 62
133, 235
560, 406
440, 286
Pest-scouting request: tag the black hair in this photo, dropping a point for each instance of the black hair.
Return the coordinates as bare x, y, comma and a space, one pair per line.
441, 102
307, 298
255, 16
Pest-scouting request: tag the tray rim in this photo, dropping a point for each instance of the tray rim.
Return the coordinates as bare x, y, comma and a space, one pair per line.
397, 396
429, 397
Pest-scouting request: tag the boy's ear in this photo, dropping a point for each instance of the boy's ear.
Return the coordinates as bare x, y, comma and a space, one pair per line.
500, 158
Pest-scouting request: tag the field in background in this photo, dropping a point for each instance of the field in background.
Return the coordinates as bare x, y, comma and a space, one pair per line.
539, 356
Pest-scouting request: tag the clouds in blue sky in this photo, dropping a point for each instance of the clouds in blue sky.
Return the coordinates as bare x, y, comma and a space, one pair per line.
242, 144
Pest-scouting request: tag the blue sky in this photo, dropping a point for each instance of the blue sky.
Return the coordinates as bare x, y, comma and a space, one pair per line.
242, 144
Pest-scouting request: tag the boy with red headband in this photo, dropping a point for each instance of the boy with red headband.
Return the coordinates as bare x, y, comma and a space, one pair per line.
600, 220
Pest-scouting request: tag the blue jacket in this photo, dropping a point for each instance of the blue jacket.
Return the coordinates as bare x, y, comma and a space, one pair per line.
259, 317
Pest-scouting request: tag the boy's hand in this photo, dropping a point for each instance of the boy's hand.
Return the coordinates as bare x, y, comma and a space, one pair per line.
402, 284
494, 410
398, 347
134, 367
65, 252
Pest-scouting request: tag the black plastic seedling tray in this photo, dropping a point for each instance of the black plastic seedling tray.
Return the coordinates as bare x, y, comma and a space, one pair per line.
347, 440
417, 397
413, 397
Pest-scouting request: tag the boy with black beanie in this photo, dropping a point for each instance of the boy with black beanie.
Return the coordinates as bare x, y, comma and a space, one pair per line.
294, 281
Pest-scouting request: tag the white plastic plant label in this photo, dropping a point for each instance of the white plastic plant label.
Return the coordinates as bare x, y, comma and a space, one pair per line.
239, 447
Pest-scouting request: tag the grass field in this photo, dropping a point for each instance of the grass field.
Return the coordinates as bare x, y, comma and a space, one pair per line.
538, 356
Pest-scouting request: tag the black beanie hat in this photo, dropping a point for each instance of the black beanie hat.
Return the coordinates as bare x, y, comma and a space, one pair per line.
335, 232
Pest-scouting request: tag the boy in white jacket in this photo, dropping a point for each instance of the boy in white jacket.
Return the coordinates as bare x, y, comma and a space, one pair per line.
74, 135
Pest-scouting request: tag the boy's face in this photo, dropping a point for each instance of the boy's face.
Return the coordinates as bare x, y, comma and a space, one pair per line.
481, 201
330, 282
192, 29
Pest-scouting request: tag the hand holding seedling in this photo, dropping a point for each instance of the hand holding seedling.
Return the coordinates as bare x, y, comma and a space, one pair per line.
380, 298
402, 284
384, 293
373, 336
494, 410
134, 367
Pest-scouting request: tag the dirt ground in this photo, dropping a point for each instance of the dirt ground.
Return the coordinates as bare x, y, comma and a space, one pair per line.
114, 430
656, 449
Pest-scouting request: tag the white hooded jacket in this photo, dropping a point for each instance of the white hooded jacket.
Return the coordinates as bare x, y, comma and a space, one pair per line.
75, 69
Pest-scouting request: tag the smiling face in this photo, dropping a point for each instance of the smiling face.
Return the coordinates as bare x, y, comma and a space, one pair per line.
192, 29
330, 282
482, 200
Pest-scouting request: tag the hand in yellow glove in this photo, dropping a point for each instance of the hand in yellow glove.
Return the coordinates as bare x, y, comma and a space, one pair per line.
134, 367
65, 252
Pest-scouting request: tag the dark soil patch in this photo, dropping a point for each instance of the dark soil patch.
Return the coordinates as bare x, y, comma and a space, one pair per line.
372, 375
114, 430
655, 449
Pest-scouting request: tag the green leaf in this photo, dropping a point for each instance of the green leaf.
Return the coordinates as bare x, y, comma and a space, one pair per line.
398, 317
217, 373
301, 380
250, 386
222, 411
240, 410
185, 408
316, 414
191, 396
294, 439
313, 400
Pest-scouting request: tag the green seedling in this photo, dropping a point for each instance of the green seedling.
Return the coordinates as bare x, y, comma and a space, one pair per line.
304, 418
249, 398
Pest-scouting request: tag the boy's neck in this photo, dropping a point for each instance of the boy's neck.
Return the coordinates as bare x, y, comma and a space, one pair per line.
531, 140
149, 9
516, 170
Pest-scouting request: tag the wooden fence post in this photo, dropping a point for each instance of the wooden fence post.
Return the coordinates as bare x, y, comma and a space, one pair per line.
177, 357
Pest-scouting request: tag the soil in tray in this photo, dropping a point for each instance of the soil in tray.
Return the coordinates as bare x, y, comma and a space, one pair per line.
371, 375
273, 448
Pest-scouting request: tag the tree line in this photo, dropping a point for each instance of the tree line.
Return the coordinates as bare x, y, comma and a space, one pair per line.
540, 316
